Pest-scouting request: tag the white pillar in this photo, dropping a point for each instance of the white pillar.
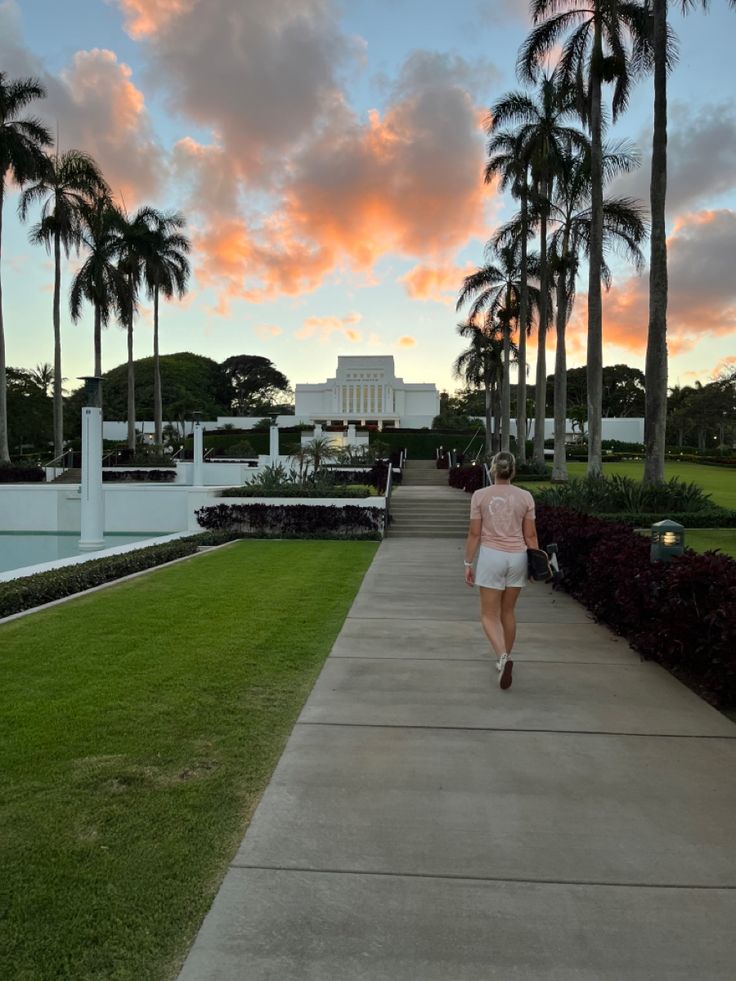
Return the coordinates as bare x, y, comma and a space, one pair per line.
317, 432
351, 431
198, 463
273, 444
93, 502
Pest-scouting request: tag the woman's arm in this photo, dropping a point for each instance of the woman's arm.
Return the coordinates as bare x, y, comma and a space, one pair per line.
529, 530
471, 547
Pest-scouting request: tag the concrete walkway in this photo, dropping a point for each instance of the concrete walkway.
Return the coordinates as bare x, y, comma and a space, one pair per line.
423, 825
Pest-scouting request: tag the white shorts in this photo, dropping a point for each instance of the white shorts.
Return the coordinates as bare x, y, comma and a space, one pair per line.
498, 570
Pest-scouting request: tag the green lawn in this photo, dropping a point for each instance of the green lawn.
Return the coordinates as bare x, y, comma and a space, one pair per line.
138, 728
719, 482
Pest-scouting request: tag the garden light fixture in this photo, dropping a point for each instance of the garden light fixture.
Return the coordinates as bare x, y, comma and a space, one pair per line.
668, 539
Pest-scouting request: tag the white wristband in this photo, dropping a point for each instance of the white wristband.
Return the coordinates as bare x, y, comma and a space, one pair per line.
468, 565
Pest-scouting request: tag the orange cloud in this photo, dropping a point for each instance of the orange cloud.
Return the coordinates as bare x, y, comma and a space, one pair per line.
406, 341
702, 291
407, 181
324, 327
265, 331
102, 110
437, 283
146, 17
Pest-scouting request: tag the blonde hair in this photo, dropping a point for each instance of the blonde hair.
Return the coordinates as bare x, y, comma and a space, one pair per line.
503, 465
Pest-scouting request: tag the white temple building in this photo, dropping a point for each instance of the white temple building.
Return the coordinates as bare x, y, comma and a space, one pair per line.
365, 390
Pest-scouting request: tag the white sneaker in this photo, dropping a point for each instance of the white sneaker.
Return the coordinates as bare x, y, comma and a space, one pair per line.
498, 664
506, 667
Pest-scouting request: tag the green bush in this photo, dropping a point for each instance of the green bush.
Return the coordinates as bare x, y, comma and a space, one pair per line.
616, 493
11, 474
713, 517
422, 444
44, 587
297, 490
293, 520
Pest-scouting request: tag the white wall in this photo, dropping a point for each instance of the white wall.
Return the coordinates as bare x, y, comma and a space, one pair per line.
128, 508
626, 430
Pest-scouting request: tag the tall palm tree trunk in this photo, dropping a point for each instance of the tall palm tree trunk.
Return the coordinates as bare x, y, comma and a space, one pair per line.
655, 413
506, 382
131, 386
489, 421
559, 466
523, 315
540, 390
595, 309
98, 349
58, 402
157, 406
4, 448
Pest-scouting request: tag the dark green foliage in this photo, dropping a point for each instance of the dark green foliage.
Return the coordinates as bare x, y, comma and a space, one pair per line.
10, 474
678, 613
422, 444
255, 384
189, 383
44, 587
599, 495
30, 415
297, 490
139, 476
293, 520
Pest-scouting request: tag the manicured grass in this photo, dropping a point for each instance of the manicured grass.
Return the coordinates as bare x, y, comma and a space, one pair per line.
710, 539
138, 728
719, 482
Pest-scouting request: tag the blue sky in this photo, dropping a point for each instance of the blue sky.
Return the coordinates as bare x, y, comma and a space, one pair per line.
329, 160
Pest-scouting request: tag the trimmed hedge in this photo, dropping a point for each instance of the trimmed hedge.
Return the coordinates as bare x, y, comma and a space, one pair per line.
679, 614
21, 475
293, 520
713, 517
138, 476
44, 587
294, 490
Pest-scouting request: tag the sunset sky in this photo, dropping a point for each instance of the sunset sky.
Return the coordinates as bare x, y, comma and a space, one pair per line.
328, 157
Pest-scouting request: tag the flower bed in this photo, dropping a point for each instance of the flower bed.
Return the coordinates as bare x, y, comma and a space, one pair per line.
680, 614
294, 520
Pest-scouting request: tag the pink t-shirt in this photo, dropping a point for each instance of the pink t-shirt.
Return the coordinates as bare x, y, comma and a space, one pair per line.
502, 509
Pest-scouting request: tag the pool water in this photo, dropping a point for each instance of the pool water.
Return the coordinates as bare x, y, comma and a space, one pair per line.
21, 549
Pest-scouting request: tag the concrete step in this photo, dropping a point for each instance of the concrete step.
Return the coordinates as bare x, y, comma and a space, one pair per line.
71, 476
394, 533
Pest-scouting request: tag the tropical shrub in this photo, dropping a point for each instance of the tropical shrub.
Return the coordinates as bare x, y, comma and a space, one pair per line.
293, 520
679, 614
602, 494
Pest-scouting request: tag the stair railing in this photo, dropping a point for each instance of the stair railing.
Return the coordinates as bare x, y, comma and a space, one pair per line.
387, 493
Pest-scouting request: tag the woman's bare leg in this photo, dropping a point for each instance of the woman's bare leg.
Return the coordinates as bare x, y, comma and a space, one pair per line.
490, 617
508, 615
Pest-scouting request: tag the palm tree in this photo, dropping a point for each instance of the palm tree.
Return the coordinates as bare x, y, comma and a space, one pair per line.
624, 228
505, 161
21, 157
166, 272
543, 137
43, 376
481, 364
134, 245
67, 181
655, 412
608, 42
99, 281
496, 289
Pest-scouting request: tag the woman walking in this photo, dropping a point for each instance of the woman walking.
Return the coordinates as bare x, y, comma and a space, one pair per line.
502, 524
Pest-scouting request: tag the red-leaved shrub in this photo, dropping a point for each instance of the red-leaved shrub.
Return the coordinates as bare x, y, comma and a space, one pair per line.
681, 614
